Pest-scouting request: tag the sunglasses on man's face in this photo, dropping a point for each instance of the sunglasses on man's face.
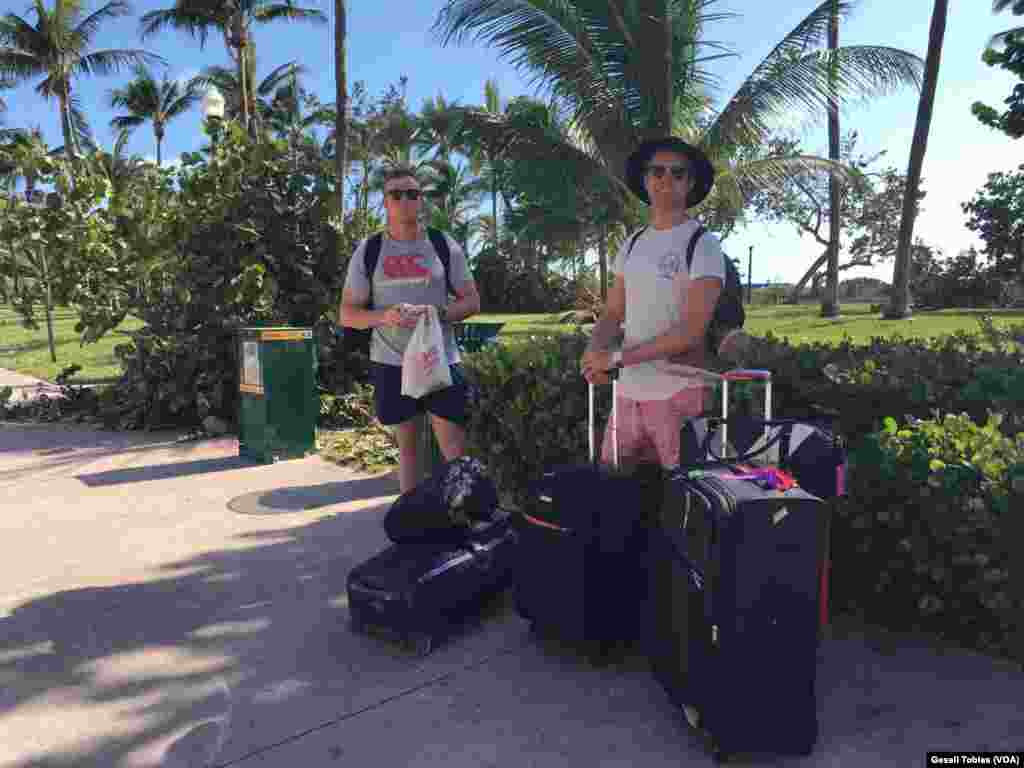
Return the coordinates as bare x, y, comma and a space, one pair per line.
410, 194
678, 171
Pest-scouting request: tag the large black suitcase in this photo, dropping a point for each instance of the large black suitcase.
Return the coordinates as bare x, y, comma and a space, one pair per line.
581, 555
733, 587
421, 593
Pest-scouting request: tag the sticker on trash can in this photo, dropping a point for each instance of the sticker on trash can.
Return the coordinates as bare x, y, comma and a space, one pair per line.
297, 335
251, 380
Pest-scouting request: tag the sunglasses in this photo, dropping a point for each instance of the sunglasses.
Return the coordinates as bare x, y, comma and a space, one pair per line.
410, 194
678, 171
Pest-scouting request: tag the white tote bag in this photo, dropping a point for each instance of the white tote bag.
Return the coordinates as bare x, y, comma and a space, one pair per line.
425, 363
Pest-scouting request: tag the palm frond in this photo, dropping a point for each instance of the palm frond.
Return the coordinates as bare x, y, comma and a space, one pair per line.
19, 64
277, 76
1016, 7
113, 61
86, 30
193, 19
753, 176
16, 32
1000, 39
175, 102
127, 122
80, 124
268, 13
801, 86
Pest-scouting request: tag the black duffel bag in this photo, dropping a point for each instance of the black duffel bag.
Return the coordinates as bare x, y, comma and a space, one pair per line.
444, 507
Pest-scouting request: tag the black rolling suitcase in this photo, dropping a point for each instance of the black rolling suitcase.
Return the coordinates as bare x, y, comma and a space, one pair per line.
422, 593
733, 587
581, 555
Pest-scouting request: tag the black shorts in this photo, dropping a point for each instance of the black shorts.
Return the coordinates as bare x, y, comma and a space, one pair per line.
394, 408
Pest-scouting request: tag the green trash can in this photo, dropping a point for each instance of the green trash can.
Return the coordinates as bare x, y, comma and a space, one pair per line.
278, 403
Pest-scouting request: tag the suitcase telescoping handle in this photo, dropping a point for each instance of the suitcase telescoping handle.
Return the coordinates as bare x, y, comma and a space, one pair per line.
742, 374
613, 375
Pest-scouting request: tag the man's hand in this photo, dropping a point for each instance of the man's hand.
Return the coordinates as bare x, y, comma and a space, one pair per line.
595, 365
403, 315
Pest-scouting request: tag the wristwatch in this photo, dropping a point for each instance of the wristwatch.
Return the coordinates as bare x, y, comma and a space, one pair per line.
617, 358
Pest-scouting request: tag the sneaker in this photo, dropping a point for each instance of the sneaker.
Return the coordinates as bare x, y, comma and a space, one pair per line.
692, 716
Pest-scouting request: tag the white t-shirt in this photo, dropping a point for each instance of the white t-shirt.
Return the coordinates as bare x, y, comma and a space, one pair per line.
657, 281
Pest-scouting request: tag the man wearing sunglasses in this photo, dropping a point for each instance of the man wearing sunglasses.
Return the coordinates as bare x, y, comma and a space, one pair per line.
664, 305
408, 277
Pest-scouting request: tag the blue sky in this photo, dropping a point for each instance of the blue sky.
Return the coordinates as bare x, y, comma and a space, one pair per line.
392, 38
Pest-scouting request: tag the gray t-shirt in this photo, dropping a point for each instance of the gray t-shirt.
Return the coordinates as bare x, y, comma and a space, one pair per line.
410, 272
657, 281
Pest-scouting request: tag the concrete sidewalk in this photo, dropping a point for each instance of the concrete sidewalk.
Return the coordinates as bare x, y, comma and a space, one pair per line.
168, 604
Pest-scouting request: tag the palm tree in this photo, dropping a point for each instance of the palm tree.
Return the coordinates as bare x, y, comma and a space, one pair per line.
293, 110
485, 157
453, 193
899, 304
58, 48
629, 75
234, 19
146, 99
260, 96
119, 169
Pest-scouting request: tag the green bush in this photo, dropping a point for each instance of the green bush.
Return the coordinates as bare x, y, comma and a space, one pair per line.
928, 537
252, 244
858, 384
530, 409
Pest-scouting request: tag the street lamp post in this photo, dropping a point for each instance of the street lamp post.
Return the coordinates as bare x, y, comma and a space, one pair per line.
213, 110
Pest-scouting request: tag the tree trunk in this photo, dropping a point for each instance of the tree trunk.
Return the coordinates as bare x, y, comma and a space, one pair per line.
341, 97
794, 296
49, 302
602, 261
669, 96
899, 303
243, 70
830, 303
494, 203
159, 140
70, 140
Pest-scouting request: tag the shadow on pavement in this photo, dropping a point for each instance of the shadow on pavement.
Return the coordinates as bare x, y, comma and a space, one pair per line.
303, 498
168, 659
164, 471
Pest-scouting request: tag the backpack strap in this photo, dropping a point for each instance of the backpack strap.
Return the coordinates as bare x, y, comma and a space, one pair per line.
633, 240
371, 254
693, 246
440, 243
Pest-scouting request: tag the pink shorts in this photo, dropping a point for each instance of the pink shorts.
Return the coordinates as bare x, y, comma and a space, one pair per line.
649, 429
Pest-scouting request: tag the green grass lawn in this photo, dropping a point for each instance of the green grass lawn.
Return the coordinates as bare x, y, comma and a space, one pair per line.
26, 350
801, 323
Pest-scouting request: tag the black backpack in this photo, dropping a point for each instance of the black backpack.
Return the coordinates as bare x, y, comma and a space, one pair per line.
358, 339
729, 313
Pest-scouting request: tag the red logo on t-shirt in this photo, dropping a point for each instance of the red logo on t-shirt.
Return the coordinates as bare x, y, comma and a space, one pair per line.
404, 266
